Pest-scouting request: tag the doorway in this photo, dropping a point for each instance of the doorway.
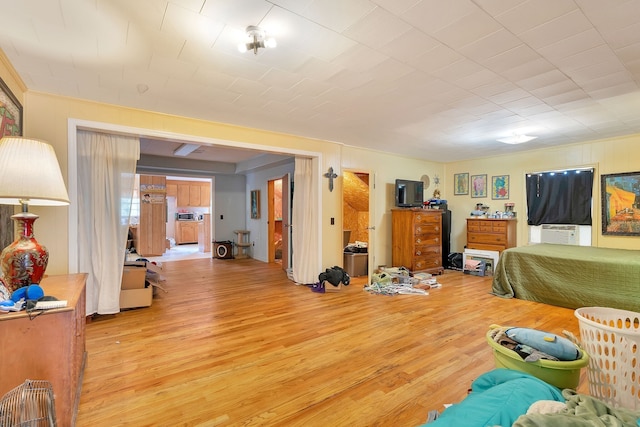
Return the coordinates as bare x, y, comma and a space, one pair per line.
278, 230
357, 214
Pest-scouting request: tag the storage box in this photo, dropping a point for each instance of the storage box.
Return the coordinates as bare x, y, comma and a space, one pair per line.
133, 276
328, 287
133, 298
356, 264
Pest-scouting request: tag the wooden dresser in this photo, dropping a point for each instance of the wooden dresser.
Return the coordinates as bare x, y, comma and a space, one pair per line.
491, 234
417, 239
49, 346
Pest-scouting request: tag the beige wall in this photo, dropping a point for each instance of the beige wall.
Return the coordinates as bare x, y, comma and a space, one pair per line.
606, 156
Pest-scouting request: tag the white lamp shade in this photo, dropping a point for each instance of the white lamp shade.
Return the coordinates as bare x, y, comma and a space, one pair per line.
29, 172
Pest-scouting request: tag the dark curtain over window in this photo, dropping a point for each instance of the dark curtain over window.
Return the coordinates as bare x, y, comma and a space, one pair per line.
560, 197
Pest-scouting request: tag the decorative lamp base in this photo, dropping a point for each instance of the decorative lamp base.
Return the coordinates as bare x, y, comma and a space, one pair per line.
25, 260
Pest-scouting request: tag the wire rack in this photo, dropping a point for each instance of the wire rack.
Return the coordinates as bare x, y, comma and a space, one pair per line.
31, 404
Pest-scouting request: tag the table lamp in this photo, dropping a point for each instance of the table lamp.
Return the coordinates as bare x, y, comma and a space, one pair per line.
29, 175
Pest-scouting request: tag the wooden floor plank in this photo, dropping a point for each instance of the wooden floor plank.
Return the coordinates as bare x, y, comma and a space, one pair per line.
233, 342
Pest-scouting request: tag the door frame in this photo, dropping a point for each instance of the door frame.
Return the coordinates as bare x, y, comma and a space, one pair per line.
72, 169
371, 248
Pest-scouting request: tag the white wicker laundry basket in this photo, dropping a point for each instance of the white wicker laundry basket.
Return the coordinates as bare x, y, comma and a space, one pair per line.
611, 337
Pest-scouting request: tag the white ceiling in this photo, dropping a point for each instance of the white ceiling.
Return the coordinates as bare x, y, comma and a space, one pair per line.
433, 79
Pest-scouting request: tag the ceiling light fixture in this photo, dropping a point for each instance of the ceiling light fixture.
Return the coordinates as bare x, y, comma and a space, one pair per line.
517, 139
185, 149
258, 39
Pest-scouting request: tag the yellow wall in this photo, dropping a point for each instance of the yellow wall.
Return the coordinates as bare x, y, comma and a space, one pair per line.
384, 169
612, 155
46, 116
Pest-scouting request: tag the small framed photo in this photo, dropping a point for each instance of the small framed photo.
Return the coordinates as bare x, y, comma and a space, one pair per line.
479, 185
255, 204
500, 187
460, 184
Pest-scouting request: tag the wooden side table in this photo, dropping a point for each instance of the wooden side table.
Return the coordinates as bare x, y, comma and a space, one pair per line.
49, 346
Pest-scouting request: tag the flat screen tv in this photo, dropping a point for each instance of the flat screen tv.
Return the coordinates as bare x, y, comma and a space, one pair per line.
409, 194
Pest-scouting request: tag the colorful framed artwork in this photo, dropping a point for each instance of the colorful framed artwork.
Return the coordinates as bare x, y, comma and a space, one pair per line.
620, 212
255, 204
460, 184
500, 187
11, 118
10, 112
479, 185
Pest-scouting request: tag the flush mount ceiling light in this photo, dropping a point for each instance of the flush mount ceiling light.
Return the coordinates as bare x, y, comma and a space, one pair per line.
257, 39
517, 139
185, 149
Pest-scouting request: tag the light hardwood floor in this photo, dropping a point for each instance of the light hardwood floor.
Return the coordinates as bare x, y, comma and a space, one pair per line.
233, 342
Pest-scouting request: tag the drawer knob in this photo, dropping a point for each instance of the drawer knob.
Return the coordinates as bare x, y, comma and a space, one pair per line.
418, 252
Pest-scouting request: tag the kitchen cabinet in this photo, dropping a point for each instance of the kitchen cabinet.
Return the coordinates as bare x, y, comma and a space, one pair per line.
172, 189
192, 193
152, 229
186, 232
204, 234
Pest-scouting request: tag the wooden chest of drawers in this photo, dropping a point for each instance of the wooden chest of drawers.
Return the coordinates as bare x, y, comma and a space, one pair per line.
417, 239
491, 234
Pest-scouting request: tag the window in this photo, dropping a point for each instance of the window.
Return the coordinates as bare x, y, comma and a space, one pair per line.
560, 197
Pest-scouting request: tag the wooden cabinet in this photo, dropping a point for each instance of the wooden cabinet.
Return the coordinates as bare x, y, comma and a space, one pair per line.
417, 239
183, 194
49, 346
491, 234
205, 195
152, 229
186, 232
172, 189
191, 193
204, 234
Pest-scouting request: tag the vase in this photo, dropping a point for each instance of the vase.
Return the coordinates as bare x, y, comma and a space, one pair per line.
25, 260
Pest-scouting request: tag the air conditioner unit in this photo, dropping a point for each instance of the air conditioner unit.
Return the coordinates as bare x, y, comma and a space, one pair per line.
559, 234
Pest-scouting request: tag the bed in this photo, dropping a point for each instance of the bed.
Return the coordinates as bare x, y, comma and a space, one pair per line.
570, 276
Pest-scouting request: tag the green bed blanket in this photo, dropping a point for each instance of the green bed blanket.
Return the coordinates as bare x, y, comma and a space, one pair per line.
570, 276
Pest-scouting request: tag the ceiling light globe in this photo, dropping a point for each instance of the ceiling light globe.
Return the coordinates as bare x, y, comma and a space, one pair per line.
270, 42
242, 47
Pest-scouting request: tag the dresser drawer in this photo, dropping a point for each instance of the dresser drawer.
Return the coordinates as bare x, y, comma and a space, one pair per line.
486, 238
426, 263
425, 219
426, 228
427, 239
427, 251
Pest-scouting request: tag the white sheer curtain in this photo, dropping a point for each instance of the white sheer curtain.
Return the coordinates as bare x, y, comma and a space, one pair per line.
106, 176
306, 248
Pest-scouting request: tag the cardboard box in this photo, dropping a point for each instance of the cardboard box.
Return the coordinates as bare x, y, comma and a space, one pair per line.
328, 287
133, 298
133, 277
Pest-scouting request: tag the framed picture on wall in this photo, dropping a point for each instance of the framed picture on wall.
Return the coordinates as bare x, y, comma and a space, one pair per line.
11, 117
479, 185
500, 187
621, 204
460, 184
10, 112
255, 204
